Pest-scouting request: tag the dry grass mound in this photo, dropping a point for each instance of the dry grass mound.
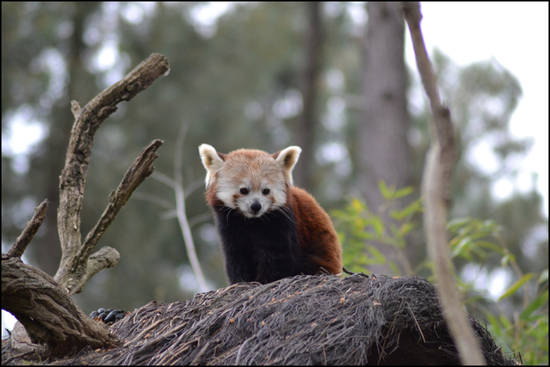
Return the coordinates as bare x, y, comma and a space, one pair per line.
294, 321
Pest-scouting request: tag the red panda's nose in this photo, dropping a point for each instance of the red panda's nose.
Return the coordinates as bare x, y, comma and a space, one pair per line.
256, 206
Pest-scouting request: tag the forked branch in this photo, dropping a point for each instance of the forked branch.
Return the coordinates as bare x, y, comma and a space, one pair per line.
41, 303
74, 269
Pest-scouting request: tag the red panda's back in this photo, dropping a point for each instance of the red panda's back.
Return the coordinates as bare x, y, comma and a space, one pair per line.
317, 237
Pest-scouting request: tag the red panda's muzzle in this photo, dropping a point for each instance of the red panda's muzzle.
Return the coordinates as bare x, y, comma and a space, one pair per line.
256, 207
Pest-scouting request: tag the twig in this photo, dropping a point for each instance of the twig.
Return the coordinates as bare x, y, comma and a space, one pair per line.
177, 185
108, 257
182, 216
29, 231
416, 322
153, 198
436, 183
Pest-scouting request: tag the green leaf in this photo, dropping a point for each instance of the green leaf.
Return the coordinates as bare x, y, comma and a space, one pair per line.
494, 323
516, 286
341, 236
363, 259
384, 190
414, 207
365, 235
405, 228
533, 306
505, 260
505, 322
378, 226
491, 246
463, 248
357, 205
455, 224
403, 192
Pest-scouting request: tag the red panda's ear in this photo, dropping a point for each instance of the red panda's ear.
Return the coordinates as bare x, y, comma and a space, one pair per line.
211, 160
287, 158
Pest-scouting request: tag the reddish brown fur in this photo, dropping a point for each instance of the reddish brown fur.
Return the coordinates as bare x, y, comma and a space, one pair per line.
210, 194
281, 245
316, 235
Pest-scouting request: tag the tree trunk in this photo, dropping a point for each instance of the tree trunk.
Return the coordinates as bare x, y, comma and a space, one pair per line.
383, 150
308, 120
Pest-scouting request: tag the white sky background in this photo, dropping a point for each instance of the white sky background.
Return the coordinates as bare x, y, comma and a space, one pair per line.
515, 34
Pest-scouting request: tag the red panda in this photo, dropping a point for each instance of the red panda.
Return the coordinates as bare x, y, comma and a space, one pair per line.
268, 228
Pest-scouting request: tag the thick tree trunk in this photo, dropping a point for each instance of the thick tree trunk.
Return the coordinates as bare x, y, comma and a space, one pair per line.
308, 120
383, 150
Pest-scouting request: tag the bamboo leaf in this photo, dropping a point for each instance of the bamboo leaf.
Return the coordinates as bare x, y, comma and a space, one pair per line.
403, 192
384, 190
405, 228
533, 306
378, 226
513, 289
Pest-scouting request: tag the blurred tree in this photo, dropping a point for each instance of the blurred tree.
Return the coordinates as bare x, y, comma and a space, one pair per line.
482, 97
243, 92
310, 78
46, 97
383, 152
236, 82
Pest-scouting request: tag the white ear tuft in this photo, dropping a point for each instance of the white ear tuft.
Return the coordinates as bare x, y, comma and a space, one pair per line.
287, 158
211, 161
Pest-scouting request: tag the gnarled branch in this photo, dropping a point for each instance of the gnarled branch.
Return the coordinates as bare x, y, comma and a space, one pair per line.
73, 271
49, 314
42, 303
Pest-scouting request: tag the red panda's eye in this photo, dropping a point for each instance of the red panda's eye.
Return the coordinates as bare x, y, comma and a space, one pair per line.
265, 191
244, 191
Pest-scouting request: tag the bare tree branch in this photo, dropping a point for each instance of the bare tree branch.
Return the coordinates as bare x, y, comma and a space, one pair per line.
182, 215
30, 230
73, 177
108, 257
436, 183
42, 304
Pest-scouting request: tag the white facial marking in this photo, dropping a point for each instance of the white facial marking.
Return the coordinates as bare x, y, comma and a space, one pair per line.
252, 182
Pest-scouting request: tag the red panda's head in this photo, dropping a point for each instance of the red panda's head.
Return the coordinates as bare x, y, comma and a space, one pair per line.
250, 181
